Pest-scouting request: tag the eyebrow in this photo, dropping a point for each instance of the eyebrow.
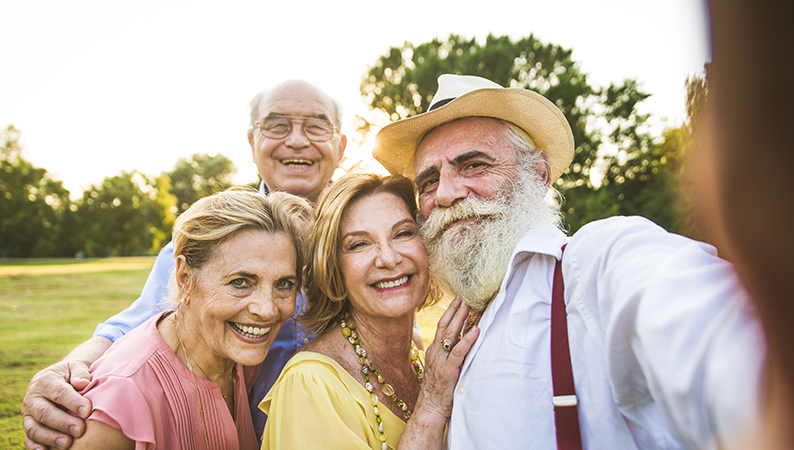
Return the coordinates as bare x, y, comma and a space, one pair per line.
315, 116
362, 232
253, 276
458, 160
242, 274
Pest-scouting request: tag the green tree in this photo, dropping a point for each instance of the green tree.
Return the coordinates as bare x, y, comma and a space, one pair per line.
613, 145
128, 214
660, 189
198, 176
679, 145
33, 206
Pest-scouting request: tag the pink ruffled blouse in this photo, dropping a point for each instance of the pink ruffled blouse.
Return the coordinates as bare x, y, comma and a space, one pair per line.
140, 387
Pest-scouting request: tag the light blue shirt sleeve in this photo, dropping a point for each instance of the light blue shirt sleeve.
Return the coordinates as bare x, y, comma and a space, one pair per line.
152, 299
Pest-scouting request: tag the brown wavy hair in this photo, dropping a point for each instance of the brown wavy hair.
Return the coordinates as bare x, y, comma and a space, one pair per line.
326, 294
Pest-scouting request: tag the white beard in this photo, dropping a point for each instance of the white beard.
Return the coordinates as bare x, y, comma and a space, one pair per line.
470, 258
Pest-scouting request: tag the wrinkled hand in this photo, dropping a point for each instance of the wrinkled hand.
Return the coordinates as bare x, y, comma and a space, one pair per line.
51, 393
443, 367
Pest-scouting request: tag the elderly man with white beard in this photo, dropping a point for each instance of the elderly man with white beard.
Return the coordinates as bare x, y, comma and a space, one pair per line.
621, 336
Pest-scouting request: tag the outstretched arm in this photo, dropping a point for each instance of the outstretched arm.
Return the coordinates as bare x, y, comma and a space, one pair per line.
678, 327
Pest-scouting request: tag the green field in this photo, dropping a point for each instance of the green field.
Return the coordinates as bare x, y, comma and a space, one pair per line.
49, 306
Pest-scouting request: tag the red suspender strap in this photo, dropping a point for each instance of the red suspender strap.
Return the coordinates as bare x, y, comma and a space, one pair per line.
566, 415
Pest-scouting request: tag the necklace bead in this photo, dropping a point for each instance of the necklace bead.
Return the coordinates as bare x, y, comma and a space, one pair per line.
367, 369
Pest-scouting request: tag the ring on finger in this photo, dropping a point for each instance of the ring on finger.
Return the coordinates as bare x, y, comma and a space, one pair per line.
446, 345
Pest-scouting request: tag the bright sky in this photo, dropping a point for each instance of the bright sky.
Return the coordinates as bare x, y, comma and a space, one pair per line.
97, 86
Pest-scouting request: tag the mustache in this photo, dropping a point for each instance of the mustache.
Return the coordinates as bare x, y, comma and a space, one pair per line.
441, 219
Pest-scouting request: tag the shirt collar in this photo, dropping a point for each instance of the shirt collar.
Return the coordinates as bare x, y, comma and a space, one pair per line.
545, 238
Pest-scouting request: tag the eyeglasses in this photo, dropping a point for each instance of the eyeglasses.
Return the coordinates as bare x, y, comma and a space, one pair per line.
314, 128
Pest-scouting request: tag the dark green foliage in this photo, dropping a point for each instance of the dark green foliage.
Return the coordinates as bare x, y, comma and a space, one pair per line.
198, 176
34, 208
128, 214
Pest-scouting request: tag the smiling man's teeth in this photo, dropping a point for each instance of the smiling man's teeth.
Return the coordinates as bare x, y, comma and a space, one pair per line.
252, 332
391, 284
299, 162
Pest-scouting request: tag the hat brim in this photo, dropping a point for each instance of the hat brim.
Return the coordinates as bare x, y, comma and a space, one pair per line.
396, 143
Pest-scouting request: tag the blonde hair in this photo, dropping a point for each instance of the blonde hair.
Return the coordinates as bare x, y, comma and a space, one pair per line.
326, 294
213, 220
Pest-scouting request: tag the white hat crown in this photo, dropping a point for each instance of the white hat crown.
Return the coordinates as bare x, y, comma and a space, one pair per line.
452, 86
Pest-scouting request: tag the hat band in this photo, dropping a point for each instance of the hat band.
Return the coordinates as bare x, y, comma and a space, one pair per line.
440, 103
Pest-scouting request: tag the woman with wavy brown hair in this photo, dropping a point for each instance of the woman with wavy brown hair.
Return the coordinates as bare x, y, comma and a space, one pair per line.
361, 384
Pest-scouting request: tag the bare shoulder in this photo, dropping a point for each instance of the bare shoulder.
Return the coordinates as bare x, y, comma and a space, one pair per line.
99, 435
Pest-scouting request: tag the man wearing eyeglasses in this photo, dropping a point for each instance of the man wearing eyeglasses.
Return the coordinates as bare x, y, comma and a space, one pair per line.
300, 163
296, 146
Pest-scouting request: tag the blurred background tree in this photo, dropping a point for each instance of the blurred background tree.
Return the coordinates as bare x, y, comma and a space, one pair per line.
618, 168
198, 176
127, 214
33, 206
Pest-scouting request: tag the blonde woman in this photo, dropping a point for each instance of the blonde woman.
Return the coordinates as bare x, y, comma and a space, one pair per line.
360, 384
177, 381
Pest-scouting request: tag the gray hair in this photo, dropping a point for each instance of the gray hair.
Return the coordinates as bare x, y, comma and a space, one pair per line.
253, 110
528, 155
533, 161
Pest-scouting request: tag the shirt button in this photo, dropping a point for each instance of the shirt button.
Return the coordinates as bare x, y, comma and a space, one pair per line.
461, 389
305, 340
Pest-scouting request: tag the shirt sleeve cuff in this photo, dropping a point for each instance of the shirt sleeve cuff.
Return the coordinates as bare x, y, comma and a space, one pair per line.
108, 331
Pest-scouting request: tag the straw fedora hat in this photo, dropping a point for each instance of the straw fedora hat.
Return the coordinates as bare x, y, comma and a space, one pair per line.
461, 96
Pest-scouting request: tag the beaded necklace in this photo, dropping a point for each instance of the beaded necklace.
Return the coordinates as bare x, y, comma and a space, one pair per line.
349, 332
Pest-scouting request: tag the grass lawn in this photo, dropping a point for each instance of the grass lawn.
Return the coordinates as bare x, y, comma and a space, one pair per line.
49, 306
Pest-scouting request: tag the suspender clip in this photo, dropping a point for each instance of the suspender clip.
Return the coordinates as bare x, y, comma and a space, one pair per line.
564, 400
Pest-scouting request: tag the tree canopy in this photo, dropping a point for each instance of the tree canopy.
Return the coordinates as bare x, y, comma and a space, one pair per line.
127, 214
616, 164
32, 203
200, 175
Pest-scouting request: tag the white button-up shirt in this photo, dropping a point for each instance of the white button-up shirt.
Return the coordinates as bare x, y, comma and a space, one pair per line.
665, 347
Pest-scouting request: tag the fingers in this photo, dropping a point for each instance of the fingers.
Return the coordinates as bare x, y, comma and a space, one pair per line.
443, 322
30, 445
49, 393
451, 323
52, 387
461, 349
38, 437
443, 366
458, 320
80, 377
